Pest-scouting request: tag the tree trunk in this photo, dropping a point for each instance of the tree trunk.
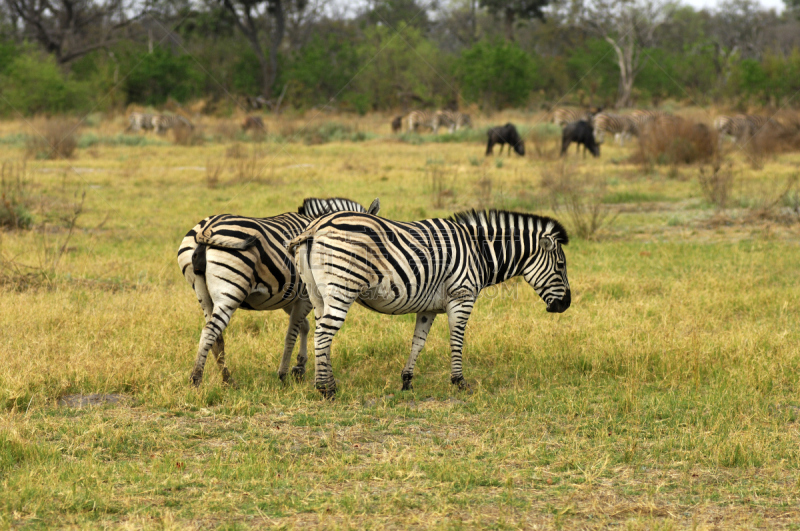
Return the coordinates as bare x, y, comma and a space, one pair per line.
509, 24
277, 38
625, 64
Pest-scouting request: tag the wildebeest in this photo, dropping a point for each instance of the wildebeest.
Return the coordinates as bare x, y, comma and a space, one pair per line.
505, 134
397, 124
253, 122
580, 132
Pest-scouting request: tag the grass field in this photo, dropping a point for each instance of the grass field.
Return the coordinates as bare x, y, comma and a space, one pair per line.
666, 397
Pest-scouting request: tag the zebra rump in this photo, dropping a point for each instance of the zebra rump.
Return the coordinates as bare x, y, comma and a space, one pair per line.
236, 262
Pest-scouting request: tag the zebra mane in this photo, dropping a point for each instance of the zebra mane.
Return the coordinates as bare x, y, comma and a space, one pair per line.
499, 219
315, 206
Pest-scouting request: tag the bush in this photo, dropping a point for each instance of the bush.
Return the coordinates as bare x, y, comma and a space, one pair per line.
14, 196
496, 75
675, 141
34, 84
152, 78
54, 139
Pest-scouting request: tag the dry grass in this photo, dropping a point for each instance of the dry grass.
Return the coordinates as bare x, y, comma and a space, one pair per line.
666, 397
675, 140
53, 139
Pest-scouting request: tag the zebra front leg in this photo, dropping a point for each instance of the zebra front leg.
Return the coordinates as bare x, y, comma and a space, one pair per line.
333, 315
299, 370
458, 312
213, 329
421, 329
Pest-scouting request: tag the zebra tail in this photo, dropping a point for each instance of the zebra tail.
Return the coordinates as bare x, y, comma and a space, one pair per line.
222, 242
199, 261
292, 244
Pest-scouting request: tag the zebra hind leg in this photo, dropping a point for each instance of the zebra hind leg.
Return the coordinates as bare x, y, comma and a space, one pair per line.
213, 329
218, 349
299, 370
332, 319
297, 324
421, 329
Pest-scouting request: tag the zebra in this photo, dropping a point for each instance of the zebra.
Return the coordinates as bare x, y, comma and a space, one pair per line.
743, 126
419, 119
138, 121
239, 262
452, 120
622, 127
162, 122
562, 117
643, 118
426, 267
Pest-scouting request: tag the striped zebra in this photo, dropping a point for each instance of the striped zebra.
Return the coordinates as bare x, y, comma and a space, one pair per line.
452, 120
419, 119
643, 118
562, 117
425, 267
238, 262
140, 120
622, 127
162, 123
742, 126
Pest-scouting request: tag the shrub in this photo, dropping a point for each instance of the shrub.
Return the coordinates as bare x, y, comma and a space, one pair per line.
54, 139
581, 198
496, 75
34, 84
14, 196
675, 141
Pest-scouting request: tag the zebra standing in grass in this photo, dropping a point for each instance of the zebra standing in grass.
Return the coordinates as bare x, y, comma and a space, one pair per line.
238, 262
562, 117
418, 119
622, 127
452, 120
425, 267
162, 123
140, 120
644, 118
744, 126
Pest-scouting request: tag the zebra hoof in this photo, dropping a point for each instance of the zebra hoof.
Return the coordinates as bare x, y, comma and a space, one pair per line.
298, 371
460, 382
282, 377
328, 391
407, 382
226, 378
196, 378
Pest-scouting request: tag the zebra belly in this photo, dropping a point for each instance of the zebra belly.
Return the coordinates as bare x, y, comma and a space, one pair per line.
260, 299
393, 297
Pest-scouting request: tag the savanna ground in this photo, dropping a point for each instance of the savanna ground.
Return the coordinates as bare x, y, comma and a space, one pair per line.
665, 397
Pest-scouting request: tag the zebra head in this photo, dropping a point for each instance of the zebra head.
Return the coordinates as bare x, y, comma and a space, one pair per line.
546, 272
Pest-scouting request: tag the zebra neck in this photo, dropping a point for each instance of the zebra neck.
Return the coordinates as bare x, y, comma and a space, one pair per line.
502, 253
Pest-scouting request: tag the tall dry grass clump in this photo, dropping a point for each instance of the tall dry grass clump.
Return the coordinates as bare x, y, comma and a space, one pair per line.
774, 138
580, 197
15, 196
53, 139
184, 135
675, 141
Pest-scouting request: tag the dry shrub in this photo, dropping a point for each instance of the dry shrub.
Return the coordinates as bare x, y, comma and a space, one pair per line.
545, 147
53, 139
483, 190
225, 130
716, 183
214, 169
183, 135
775, 200
769, 141
15, 196
440, 192
581, 198
248, 168
235, 151
675, 141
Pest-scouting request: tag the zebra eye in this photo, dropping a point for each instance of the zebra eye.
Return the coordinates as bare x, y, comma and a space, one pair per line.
547, 244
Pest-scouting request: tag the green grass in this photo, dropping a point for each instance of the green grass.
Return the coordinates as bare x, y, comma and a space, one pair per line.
664, 398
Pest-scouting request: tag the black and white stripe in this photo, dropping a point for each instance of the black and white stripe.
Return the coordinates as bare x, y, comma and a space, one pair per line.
425, 267
452, 120
744, 126
140, 120
418, 120
163, 123
239, 262
562, 117
622, 127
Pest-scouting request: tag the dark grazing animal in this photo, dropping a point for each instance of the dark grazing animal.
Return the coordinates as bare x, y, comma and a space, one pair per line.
580, 132
253, 122
397, 124
505, 134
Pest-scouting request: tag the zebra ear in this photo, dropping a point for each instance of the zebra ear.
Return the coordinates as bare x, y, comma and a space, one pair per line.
547, 244
375, 207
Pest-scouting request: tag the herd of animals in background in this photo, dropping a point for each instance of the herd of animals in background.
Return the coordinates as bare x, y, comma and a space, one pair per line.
587, 128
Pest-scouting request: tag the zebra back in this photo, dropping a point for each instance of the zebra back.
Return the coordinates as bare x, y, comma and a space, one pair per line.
562, 116
418, 119
614, 123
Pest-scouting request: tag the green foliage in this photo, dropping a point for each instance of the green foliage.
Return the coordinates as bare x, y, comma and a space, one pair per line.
154, 77
246, 75
322, 69
32, 83
496, 75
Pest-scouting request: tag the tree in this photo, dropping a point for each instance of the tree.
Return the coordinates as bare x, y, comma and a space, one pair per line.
496, 75
248, 14
69, 29
514, 10
629, 27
